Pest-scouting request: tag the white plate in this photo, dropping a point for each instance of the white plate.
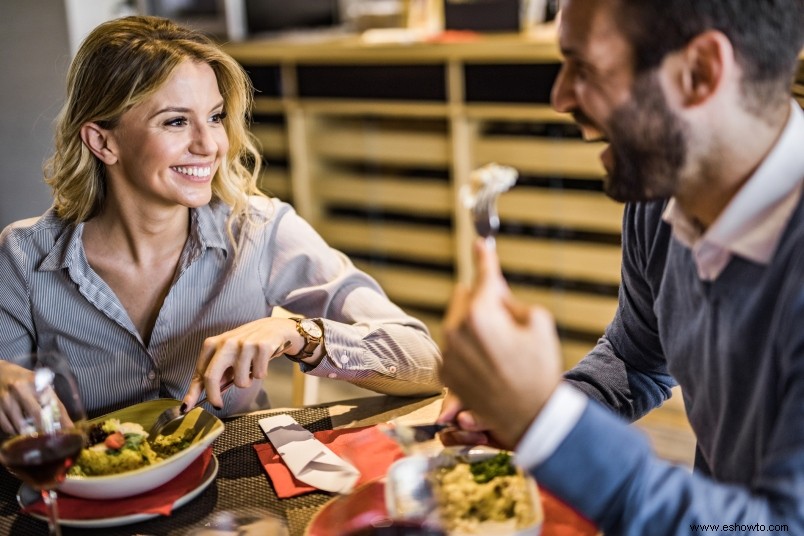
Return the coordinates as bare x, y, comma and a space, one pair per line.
206, 428
28, 495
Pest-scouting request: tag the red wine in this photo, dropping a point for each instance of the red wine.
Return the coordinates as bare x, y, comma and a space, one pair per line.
42, 460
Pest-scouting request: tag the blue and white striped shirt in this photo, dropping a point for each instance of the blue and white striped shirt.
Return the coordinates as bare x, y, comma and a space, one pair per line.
52, 300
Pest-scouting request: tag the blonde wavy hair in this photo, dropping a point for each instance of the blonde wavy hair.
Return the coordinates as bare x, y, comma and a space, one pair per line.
119, 65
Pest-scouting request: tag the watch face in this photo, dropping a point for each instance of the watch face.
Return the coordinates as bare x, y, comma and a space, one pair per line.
312, 328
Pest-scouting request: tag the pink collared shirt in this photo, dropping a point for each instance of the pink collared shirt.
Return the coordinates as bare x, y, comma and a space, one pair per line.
752, 224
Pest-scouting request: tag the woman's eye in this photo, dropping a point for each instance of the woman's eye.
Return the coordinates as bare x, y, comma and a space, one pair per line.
176, 122
218, 117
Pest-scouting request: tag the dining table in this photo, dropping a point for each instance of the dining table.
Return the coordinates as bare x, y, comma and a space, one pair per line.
241, 484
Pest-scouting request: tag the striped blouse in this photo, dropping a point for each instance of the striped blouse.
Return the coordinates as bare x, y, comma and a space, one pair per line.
52, 300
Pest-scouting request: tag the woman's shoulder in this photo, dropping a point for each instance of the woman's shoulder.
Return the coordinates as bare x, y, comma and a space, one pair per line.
266, 205
46, 227
259, 206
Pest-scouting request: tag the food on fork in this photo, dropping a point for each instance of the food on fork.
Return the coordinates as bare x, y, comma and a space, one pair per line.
116, 447
491, 178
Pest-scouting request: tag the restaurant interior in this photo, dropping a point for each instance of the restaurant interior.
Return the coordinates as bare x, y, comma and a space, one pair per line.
371, 116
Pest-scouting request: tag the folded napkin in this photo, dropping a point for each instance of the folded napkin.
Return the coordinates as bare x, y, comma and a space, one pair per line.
369, 450
157, 501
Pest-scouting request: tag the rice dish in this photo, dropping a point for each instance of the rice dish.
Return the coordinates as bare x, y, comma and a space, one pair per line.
471, 495
115, 447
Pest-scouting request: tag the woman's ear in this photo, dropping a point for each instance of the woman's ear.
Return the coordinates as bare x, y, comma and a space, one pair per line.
98, 140
708, 62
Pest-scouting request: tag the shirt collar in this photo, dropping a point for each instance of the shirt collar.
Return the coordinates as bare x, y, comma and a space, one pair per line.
209, 224
205, 230
752, 223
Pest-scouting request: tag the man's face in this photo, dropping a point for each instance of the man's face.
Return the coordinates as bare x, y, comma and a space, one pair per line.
647, 142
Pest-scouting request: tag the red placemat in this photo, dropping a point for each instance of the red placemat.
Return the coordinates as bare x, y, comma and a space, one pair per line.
157, 501
367, 448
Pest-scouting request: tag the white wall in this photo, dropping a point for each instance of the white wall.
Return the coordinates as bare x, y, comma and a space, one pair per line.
33, 63
37, 38
83, 15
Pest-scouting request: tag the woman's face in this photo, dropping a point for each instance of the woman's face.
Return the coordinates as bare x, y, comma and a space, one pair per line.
170, 146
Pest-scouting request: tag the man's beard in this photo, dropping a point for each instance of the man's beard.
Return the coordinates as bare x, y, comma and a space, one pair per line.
648, 145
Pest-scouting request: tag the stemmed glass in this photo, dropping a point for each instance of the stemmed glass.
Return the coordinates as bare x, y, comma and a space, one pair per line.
50, 435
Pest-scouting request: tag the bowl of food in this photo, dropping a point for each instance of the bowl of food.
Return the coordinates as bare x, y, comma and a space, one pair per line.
120, 460
465, 491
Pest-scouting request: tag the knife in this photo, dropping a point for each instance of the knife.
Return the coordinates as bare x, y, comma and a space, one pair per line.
408, 434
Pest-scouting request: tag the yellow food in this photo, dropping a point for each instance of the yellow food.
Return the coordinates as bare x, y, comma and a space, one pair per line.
137, 451
465, 504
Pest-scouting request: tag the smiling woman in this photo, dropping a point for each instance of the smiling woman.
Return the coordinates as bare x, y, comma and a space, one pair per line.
157, 270
163, 151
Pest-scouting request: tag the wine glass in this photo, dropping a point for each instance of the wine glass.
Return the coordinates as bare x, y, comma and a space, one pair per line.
50, 435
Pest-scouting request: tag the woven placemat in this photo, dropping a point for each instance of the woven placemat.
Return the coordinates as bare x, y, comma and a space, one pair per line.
241, 487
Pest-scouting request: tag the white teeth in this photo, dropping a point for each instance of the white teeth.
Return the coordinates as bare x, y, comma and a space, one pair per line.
194, 171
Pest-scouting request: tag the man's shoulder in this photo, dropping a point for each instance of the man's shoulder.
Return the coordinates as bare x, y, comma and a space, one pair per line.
645, 213
643, 224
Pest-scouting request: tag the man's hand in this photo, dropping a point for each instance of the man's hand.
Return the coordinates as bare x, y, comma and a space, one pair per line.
501, 358
469, 429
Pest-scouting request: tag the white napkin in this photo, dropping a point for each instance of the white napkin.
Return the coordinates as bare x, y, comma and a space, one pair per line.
307, 458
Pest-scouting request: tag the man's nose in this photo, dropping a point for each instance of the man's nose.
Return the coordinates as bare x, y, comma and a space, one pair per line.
562, 97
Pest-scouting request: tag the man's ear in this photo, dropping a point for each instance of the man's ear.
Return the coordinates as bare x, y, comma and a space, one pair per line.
708, 61
98, 140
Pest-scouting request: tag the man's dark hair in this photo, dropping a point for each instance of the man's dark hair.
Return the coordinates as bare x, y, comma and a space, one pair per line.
767, 36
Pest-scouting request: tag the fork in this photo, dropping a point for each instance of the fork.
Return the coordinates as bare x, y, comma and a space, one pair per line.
169, 419
480, 197
408, 436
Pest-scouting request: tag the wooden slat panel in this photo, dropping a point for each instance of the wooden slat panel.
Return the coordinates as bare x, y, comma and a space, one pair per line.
573, 351
517, 112
544, 156
412, 286
267, 105
575, 310
369, 107
272, 138
563, 208
390, 193
275, 182
566, 260
383, 146
407, 241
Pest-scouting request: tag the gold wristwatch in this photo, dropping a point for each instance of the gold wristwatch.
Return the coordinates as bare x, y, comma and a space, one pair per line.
312, 333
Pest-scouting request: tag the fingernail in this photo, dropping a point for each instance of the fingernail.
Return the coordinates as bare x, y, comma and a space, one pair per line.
183, 408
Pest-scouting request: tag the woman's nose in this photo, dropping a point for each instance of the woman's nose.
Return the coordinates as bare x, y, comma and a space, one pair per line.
204, 141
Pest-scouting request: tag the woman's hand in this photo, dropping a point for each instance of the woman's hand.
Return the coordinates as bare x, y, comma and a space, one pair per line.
241, 354
17, 397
